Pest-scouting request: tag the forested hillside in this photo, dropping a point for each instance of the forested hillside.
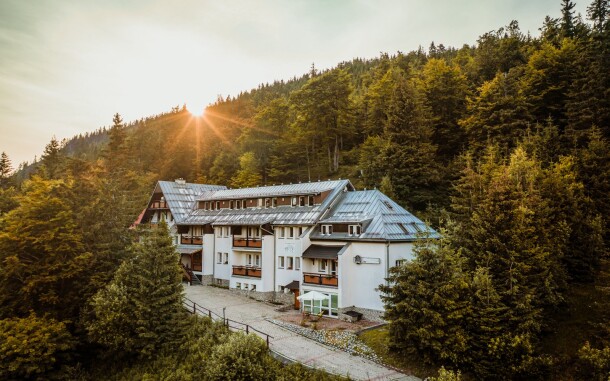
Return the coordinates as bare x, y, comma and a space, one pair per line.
501, 145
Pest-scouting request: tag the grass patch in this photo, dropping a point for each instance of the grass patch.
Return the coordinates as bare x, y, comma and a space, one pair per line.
378, 340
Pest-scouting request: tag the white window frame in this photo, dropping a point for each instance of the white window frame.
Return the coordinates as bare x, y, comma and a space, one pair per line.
322, 266
219, 258
281, 234
297, 263
225, 258
327, 229
290, 263
290, 232
280, 262
354, 230
400, 262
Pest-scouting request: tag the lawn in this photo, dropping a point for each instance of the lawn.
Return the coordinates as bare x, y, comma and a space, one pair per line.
378, 340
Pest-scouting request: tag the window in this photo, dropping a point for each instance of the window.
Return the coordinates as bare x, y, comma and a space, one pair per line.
310, 199
333, 267
227, 231
260, 202
206, 205
290, 232
297, 263
327, 229
219, 258
294, 201
400, 262
267, 202
226, 258
274, 202
300, 231
302, 201
218, 231
217, 205
231, 204
237, 204
354, 230
257, 260
322, 265
280, 262
249, 260
290, 263
281, 232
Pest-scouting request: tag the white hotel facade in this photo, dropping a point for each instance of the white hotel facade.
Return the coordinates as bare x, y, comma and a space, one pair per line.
279, 242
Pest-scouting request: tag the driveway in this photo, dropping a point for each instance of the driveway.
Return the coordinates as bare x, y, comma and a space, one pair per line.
286, 343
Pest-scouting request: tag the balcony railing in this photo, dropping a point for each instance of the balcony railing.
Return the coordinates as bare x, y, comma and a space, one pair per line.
321, 279
159, 205
250, 271
247, 242
186, 240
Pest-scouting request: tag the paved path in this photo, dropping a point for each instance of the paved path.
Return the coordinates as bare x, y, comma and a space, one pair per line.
287, 343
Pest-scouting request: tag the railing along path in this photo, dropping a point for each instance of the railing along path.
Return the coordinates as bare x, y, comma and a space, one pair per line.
196, 309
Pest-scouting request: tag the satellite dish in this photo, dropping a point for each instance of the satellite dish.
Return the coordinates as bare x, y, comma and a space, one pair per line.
357, 259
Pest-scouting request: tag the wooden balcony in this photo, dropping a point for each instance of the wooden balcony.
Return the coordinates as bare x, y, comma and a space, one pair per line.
254, 272
159, 205
256, 243
321, 279
187, 240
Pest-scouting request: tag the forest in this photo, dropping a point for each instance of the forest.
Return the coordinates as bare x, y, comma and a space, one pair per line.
502, 146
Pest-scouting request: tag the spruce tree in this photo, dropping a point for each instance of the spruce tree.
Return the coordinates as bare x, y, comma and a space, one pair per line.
5, 170
141, 311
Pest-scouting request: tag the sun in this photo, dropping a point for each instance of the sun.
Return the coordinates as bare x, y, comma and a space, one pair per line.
195, 108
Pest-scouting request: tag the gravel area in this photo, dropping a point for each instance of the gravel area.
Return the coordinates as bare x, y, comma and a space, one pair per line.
344, 340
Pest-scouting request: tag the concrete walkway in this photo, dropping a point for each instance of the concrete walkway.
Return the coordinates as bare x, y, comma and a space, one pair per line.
286, 343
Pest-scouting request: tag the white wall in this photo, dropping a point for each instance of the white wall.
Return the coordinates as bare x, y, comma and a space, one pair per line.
208, 254
267, 262
222, 245
402, 250
287, 247
358, 282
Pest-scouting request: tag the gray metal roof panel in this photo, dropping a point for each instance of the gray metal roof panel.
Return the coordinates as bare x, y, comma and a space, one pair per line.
321, 251
389, 221
180, 197
275, 190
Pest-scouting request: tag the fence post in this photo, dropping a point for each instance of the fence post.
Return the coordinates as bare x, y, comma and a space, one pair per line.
210, 313
247, 329
267, 341
194, 309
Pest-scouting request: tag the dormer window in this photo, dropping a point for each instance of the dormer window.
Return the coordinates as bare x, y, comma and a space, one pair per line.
310, 199
294, 201
237, 204
267, 202
260, 202
231, 204
206, 205
217, 205
355, 230
327, 229
302, 201
274, 202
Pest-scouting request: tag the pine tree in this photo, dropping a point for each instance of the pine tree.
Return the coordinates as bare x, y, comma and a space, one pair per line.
427, 304
140, 311
44, 264
52, 160
5, 170
567, 18
410, 155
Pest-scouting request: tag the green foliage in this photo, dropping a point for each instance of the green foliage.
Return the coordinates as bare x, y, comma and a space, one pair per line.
34, 348
446, 375
6, 169
140, 311
44, 263
249, 174
242, 357
598, 360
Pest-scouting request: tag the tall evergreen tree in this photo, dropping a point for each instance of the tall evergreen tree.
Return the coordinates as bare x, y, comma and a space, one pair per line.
6, 169
140, 311
567, 18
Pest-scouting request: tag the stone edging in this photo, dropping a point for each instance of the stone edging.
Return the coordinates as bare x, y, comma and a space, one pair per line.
343, 340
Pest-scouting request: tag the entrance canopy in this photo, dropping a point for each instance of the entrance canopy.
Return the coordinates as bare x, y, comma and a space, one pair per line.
322, 252
313, 295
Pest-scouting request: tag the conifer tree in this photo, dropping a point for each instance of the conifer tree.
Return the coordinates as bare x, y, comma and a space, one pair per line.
44, 264
5, 170
52, 160
140, 311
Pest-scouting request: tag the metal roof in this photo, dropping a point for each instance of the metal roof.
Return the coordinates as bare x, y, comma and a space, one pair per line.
280, 215
180, 197
380, 218
324, 252
294, 285
186, 249
275, 190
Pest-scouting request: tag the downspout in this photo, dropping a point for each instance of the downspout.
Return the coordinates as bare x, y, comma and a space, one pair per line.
387, 262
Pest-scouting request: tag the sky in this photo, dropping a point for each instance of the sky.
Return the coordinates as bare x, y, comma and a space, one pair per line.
67, 66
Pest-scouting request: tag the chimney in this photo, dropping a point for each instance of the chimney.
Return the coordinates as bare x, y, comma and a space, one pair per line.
180, 181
